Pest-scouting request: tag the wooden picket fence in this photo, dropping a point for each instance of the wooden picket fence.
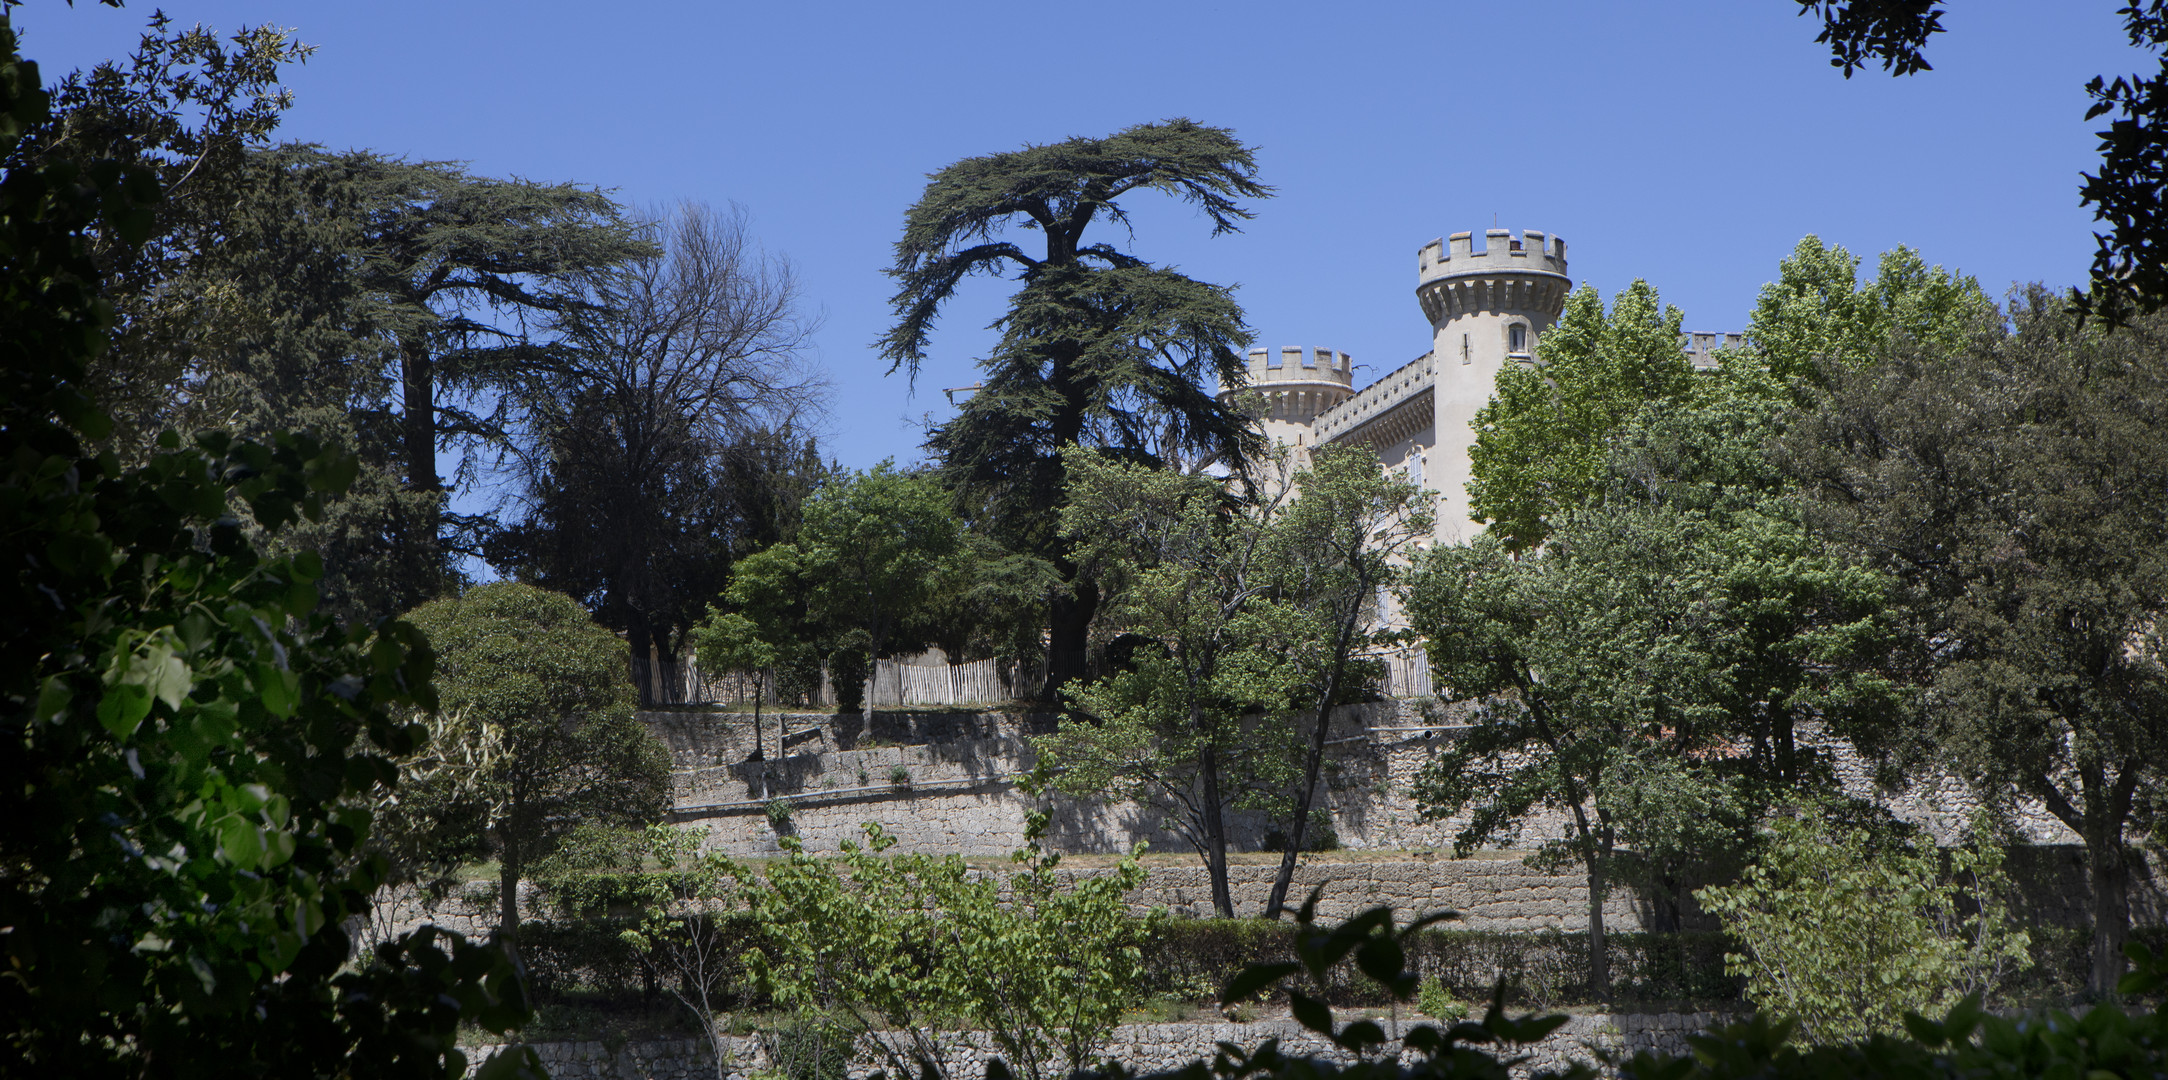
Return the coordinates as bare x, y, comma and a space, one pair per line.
896, 682
1407, 674
906, 681
914, 681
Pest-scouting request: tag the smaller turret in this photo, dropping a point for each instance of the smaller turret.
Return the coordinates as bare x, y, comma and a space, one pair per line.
1289, 386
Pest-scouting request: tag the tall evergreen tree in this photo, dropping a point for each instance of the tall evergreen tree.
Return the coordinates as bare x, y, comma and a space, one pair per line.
384, 305
1098, 347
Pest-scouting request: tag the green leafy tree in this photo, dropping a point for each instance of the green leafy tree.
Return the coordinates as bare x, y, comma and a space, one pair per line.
1600, 662
1337, 549
897, 946
1542, 441
191, 748
731, 642
1192, 725
875, 553
532, 669
767, 590
1845, 933
189, 109
2016, 490
1098, 347
413, 283
1818, 313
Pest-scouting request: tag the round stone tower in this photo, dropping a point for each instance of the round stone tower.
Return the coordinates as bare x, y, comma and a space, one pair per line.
1487, 309
1289, 387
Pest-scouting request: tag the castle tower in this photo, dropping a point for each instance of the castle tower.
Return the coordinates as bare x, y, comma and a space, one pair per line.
1487, 309
1289, 387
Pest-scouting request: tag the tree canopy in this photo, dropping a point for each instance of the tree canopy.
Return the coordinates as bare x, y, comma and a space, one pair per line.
1540, 443
1098, 347
876, 552
191, 747
1192, 724
2016, 489
531, 670
666, 441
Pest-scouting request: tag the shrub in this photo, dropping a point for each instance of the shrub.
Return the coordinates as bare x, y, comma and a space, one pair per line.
1437, 1004
1845, 935
1195, 957
778, 811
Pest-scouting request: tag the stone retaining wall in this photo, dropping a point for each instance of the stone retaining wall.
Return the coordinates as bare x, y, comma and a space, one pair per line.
1143, 1047
1492, 893
960, 794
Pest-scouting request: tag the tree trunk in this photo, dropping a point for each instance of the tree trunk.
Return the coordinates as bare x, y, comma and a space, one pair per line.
1215, 835
2110, 861
641, 639
508, 871
1299, 831
418, 389
1069, 623
759, 753
1599, 951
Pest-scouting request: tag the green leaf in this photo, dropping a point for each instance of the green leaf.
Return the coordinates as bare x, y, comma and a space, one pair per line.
278, 689
241, 842
122, 708
53, 698
1253, 978
1310, 1012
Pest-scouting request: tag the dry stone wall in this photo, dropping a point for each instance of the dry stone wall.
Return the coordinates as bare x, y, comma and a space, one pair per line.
959, 795
1492, 893
1143, 1047
959, 790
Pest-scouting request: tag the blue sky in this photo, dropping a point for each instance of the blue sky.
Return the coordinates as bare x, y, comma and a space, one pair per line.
1691, 144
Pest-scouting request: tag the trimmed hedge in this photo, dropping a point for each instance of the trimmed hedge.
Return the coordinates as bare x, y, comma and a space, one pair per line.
585, 961
1195, 957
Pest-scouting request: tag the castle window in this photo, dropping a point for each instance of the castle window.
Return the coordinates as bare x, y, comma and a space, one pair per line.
1517, 339
1467, 353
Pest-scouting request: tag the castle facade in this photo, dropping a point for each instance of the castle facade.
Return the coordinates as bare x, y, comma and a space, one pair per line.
1487, 308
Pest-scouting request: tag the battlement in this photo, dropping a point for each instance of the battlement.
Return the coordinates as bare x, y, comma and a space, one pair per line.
1504, 251
1701, 347
1399, 387
1294, 363
1515, 272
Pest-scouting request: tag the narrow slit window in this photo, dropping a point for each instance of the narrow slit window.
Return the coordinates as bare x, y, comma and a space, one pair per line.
1517, 338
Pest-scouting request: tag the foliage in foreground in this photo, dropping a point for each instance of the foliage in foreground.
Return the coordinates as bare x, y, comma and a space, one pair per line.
1844, 935
189, 743
885, 952
2106, 1041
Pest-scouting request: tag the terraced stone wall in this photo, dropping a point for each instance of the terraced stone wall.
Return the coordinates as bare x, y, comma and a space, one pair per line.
1143, 1047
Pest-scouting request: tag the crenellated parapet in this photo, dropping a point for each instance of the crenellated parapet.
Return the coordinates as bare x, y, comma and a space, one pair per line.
1288, 387
1523, 272
1400, 400
1294, 363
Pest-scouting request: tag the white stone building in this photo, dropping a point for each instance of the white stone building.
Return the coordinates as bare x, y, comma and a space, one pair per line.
1487, 308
